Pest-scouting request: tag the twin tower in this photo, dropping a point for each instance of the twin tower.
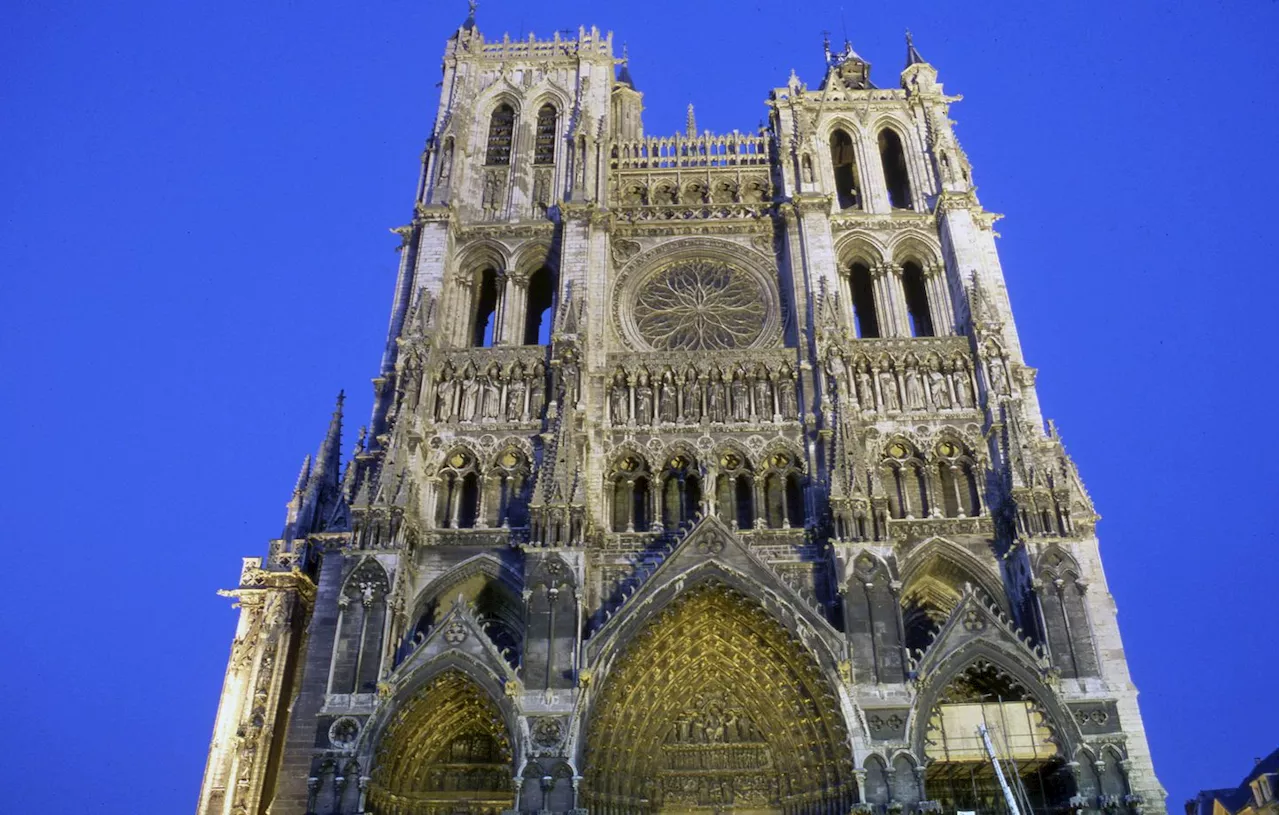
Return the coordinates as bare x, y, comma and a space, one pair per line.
705, 475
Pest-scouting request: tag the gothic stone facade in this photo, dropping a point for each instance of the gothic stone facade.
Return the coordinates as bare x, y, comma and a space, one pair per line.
705, 474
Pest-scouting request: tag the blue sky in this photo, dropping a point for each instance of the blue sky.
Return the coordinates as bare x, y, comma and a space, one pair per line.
196, 259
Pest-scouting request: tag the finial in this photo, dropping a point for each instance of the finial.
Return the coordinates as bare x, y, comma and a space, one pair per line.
913, 56
470, 22
690, 124
624, 74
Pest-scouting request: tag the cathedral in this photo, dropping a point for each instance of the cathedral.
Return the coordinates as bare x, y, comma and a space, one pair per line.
705, 475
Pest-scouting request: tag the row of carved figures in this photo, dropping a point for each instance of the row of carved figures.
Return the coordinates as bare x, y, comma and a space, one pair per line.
715, 396
902, 386
517, 395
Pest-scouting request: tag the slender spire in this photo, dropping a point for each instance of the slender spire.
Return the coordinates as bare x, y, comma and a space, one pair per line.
690, 124
470, 23
329, 459
913, 56
624, 73
303, 476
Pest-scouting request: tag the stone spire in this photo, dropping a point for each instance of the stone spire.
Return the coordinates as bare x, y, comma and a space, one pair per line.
329, 457
913, 56
690, 124
469, 24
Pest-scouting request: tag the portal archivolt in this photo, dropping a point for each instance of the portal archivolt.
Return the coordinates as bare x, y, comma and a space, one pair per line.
715, 706
448, 752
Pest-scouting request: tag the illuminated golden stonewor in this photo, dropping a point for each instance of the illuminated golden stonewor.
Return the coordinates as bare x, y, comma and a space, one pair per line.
716, 707
448, 752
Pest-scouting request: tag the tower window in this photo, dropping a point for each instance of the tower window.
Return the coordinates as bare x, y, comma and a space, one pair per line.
894, 162
865, 324
482, 326
917, 297
846, 171
538, 307
501, 127
544, 138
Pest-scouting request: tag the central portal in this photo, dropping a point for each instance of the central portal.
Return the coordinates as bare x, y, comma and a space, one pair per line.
715, 707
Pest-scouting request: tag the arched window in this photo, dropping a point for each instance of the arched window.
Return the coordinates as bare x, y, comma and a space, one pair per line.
483, 324
361, 619
735, 491
538, 307
681, 492
506, 502
459, 498
894, 162
631, 497
866, 326
544, 137
957, 480
501, 127
848, 191
903, 474
876, 786
783, 493
917, 297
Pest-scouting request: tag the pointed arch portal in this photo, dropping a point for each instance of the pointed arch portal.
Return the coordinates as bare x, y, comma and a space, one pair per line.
716, 707
447, 752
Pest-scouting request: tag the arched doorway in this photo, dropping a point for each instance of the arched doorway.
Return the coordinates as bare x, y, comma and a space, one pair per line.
448, 752
715, 707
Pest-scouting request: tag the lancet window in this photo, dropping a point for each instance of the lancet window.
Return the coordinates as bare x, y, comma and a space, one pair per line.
905, 483
862, 290
484, 323
505, 488
894, 162
539, 307
917, 296
681, 492
501, 130
631, 486
544, 137
735, 491
957, 481
459, 492
362, 614
848, 190
783, 492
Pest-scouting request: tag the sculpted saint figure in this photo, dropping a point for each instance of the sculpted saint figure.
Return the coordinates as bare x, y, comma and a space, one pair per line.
938, 390
619, 399
764, 397
691, 396
644, 401
889, 390
866, 390
537, 390
667, 400
515, 399
470, 396
492, 396
444, 396
716, 398
914, 389
786, 396
964, 388
999, 379
741, 399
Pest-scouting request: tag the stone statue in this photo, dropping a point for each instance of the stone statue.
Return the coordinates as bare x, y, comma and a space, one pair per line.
489, 198
888, 390
867, 390
691, 395
667, 400
492, 397
537, 380
787, 407
938, 390
644, 401
741, 399
470, 397
914, 389
444, 396
999, 379
763, 397
964, 388
716, 398
619, 399
515, 399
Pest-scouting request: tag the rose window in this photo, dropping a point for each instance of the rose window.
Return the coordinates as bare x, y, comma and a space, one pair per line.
700, 305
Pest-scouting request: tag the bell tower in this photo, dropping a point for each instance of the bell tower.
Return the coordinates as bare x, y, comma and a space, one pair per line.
705, 473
